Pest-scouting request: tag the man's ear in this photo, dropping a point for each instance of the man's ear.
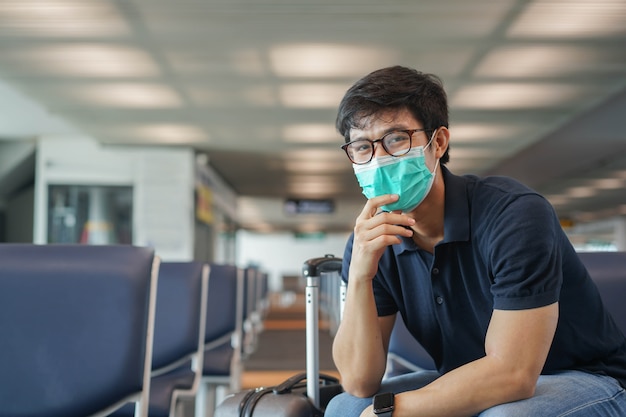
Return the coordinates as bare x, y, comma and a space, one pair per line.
441, 140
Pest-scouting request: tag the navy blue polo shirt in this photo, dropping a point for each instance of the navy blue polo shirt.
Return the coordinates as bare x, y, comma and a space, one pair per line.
503, 248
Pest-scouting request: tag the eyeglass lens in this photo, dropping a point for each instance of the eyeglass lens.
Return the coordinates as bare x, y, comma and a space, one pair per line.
394, 143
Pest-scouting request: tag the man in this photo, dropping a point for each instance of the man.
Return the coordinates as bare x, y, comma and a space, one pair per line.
479, 268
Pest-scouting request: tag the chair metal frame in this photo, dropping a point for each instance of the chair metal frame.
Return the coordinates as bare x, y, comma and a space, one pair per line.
208, 396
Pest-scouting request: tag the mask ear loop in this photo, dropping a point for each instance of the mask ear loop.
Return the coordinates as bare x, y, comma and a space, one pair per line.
431, 139
434, 172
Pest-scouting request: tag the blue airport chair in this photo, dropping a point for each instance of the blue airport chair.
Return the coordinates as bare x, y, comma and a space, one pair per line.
178, 338
222, 365
76, 324
405, 354
608, 271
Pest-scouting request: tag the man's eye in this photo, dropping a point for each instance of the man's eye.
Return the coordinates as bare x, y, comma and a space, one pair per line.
361, 147
395, 139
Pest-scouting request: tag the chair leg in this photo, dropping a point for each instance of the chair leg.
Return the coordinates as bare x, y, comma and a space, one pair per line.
221, 392
205, 400
200, 403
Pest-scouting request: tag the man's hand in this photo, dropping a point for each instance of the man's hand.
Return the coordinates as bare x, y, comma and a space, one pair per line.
373, 232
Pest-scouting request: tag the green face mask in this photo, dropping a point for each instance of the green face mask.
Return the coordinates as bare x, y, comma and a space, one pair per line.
407, 176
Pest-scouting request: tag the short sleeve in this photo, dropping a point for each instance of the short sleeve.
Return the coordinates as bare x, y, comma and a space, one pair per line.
524, 254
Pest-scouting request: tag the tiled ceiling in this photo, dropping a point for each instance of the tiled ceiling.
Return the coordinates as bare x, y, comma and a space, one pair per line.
255, 85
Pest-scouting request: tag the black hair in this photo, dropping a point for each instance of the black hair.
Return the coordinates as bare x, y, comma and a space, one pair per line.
395, 88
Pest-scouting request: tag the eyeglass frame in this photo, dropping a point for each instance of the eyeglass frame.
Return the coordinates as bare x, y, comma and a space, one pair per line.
410, 132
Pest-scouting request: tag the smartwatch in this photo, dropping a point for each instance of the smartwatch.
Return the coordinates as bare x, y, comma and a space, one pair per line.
383, 404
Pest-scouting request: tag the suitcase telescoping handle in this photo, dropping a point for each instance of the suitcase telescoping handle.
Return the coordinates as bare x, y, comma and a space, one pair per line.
313, 267
312, 270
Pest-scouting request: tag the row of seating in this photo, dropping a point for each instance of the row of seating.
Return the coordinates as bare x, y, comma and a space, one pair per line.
112, 331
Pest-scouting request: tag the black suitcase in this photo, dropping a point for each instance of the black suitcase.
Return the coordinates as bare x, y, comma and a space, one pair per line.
305, 394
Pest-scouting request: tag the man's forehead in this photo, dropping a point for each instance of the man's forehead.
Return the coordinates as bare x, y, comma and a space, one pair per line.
381, 120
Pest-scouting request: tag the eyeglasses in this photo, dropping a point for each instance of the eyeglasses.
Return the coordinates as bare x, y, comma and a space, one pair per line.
395, 143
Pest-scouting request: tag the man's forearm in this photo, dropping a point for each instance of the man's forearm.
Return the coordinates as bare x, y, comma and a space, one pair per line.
358, 349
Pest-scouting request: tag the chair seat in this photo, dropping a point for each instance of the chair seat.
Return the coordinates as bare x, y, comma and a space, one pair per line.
217, 361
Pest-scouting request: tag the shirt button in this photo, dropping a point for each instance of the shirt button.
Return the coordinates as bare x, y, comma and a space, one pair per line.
439, 300
435, 271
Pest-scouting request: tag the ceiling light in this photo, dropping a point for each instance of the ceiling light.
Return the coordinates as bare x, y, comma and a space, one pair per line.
312, 95
582, 192
86, 60
311, 133
62, 18
539, 61
166, 133
558, 200
128, 95
518, 95
608, 183
321, 60
312, 185
481, 133
571, 19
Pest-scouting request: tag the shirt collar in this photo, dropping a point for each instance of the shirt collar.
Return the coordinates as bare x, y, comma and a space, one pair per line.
456, 213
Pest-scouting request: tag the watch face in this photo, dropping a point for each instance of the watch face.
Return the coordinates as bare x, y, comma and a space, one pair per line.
383, 402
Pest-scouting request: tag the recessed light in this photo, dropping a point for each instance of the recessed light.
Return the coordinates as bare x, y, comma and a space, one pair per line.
540, 61
311, 133
86, 60
165, 133
312, 95
571, 19
326, 60
582, 192
62, 18
515, 95
128, 95
609, 183
481, 133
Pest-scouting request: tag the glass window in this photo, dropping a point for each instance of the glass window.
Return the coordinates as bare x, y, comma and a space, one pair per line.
97, 215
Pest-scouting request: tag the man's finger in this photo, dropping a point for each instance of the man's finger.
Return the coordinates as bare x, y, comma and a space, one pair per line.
373, 204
